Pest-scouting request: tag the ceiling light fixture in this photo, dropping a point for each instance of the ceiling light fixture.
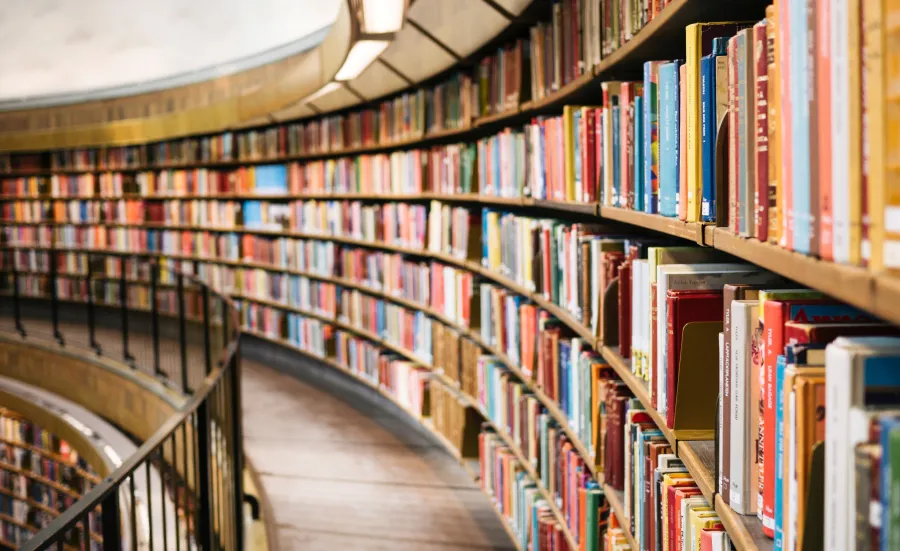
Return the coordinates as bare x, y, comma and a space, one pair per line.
327, 89
361, 55
382, 16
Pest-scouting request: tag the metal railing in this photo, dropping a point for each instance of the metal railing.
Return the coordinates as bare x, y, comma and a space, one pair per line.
182, 489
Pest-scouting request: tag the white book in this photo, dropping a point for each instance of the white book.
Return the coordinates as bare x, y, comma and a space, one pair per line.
848, 362
646, 320
721, 414
636, 310
744, 412
678, 277
840, 133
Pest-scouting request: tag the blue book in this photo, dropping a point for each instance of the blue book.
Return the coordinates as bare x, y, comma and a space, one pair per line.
799, 98
780, 366
271, 179
708, 129
668, 138
495, 167
252, 213
638, 183
616, 145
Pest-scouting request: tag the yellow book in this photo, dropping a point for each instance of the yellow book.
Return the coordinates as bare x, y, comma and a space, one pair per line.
671, 479
699, 519
886, 241
569, 131
698, 35
855, 130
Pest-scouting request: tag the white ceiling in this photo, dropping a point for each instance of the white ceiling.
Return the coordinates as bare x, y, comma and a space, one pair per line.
76, 48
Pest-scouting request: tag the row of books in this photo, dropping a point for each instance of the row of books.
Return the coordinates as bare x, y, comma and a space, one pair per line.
525, 507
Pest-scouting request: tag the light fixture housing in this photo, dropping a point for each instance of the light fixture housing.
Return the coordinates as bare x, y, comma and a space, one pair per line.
382, 16
361, 55
324, 90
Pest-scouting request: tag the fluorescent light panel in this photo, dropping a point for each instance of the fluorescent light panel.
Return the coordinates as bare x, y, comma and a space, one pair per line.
361, 55
382, 16
327, 89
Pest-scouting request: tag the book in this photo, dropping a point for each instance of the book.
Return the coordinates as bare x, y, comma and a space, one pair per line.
669, 134
699, 41
709, 104
853, 366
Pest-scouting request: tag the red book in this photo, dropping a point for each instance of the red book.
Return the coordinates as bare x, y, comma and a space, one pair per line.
802, 333
775, 315
685, 307
625, 309
676, 494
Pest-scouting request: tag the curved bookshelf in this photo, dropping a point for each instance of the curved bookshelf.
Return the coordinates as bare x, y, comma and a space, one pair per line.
876, 293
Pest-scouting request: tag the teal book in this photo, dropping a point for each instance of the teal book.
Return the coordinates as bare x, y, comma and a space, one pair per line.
668, 138
638, 183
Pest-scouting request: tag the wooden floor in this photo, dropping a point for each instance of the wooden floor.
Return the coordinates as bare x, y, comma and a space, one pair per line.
342, 467
343, 470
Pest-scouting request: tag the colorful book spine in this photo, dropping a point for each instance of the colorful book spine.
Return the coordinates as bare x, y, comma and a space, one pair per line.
638, 155
761, 188
669, 134
773, 117
652, 106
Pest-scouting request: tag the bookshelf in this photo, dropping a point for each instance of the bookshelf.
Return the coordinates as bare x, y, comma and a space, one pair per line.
874, 292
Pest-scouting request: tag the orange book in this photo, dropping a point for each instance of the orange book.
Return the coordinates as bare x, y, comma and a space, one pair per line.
782, 51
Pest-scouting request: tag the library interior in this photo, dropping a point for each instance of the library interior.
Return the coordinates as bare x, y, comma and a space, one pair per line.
530, 275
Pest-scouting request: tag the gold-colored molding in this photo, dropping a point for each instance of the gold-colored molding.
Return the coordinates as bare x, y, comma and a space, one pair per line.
205, 107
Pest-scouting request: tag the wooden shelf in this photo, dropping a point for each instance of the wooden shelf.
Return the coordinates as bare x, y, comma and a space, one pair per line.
616, 501
700, 459
692, 231
94, 479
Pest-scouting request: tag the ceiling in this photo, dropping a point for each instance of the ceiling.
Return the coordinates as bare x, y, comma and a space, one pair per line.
62, 51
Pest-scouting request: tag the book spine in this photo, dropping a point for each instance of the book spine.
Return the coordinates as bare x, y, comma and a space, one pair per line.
693, 144
875, 121
744, 106
855, 79
773, 190
636, 197
668, 128
652, 138
886, 254
783, 50
800, 214
682, 197
773, 325
761, 210
812, 123
733, 117
724, 444
707, 139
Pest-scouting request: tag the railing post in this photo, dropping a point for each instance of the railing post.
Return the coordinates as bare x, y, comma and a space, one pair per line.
182, 335
54, 298
204, 533
207, 350
90, 308
226, 337
110, 519
237, 439
123, 303
154, 316
17, 306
